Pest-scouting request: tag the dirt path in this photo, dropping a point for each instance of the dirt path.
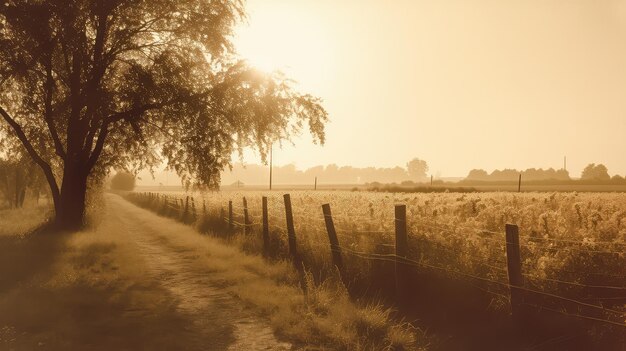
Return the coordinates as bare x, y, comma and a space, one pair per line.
216, 320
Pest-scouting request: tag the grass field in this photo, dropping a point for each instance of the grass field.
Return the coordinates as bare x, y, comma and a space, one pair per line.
573, 245
451, 186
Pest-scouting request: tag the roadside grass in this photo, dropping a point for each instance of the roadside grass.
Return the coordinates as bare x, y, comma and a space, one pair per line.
325, 317
24, 220
88, 290
79, 291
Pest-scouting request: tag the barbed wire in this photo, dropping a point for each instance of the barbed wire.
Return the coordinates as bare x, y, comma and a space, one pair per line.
458, 227
529, 237
540, 307
393, 258
565, 282
398, 259
603, 275
571, 249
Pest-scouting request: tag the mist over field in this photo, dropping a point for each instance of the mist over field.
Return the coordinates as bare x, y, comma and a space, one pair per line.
355, 175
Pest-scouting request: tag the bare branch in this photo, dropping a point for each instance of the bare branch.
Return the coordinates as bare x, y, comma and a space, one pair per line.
49, 89
93, 158
45, 167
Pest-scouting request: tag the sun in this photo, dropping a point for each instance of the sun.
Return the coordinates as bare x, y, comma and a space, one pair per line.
282, 36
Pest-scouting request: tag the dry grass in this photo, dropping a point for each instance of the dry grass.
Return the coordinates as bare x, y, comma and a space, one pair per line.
20, 221
89, 290
326, 317
76, 292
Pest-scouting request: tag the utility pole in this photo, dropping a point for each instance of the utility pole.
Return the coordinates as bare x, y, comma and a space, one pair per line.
315, 188
271, 149
565, 163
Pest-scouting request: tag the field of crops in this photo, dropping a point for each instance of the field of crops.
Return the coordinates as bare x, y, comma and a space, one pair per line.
572, 245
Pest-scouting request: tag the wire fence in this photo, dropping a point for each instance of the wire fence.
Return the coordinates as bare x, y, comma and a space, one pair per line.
316, 227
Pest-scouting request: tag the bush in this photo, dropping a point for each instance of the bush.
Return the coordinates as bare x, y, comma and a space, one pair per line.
123, 181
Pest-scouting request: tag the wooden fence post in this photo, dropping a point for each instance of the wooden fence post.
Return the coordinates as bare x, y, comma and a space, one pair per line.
335, 249
293, 252
185, 216
514, 268
401, 269
194, 213
266, 228
230, 216
291, 231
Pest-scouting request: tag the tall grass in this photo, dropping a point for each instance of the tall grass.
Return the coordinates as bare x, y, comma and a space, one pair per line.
18, 222
326, 316
569, 241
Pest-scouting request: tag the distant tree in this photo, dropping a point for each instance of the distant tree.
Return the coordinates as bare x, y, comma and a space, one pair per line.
595, 172
418, 169
506, 174
545, 174
478, 174
513, 174
17, 174
617, 179
123, 181
90, 85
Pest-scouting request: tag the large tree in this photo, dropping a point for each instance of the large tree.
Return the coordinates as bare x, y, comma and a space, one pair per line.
417, 169
90, 85
595, 172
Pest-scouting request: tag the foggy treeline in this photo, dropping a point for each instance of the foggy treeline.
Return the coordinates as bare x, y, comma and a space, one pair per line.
415, 170
592, 172
512, 174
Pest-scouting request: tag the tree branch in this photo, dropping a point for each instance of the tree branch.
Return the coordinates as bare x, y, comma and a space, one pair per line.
45, 167
93, 158
49, 87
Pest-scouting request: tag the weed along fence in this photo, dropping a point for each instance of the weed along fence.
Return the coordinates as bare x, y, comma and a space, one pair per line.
402, 260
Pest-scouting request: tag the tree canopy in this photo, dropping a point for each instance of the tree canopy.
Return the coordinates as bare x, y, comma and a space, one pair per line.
417, 169
595, 172
123, 181
88, 85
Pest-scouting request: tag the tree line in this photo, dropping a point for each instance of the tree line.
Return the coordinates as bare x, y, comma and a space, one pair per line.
591, 173
414, 170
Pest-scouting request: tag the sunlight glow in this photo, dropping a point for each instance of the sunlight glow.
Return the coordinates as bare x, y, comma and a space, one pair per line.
283, 36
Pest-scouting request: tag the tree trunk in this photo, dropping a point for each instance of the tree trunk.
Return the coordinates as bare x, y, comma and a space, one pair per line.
70, 209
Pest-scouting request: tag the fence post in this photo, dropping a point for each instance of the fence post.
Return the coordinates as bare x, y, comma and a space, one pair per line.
230, 215
514, 268
185, 216
266, 228
335, 249
291, 231
246, 219
293, 252
194, 213
401, 269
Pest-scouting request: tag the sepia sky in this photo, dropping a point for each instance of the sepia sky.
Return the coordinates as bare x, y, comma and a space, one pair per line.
462, 84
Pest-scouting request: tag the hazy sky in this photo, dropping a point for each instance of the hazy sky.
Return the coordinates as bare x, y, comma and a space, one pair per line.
462, 84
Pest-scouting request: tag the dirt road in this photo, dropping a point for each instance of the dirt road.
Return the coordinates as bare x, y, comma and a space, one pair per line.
218, 321
128, 286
